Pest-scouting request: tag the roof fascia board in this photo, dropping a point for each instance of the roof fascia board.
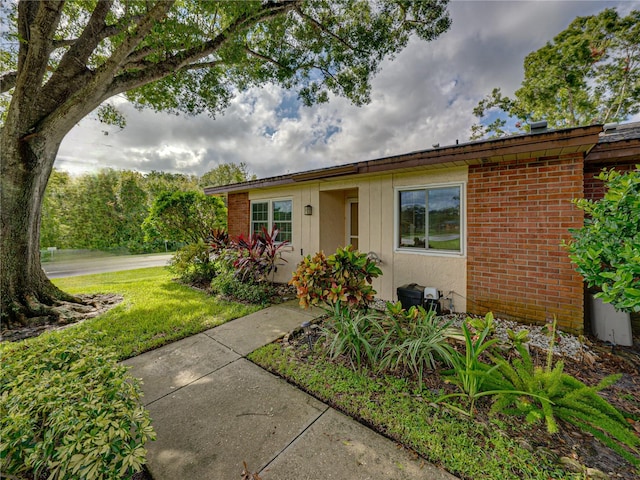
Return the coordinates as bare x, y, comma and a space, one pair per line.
469, 153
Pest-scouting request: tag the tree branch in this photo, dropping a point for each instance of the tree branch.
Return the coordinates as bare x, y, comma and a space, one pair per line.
138, 55
8, 81
197, 66
63, 43
75, 59
106, 32
187, 59
36, 24
265, 58
324, 29
143, 27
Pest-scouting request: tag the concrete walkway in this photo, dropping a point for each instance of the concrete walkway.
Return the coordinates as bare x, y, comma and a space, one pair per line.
213, 410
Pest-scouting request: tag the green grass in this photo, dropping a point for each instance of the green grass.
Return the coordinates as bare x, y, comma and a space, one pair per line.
155, 310
464, 447
445, 244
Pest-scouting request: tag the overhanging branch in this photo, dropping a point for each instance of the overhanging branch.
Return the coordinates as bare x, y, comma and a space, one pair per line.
324, 29
189, 59
8, 81
265, 58
200, 65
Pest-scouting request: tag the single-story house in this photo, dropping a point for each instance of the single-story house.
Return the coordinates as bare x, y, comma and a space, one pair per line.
483, 222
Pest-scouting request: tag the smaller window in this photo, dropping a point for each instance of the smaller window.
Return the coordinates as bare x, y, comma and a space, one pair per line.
270, 214
259, 217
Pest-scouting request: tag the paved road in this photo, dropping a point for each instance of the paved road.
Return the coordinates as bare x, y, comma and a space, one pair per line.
85, 266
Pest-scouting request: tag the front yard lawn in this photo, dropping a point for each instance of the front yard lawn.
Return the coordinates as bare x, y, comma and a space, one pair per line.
156, 310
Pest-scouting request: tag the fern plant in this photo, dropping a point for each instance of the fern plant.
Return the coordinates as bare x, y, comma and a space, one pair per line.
551, 394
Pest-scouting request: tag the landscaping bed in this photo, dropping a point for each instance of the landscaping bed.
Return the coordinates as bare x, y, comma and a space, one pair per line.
485, 446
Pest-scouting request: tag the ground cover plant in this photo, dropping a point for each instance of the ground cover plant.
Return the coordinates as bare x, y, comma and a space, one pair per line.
486, 446
69, 410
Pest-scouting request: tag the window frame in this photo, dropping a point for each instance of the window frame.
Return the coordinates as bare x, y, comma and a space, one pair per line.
426, 250
270, 214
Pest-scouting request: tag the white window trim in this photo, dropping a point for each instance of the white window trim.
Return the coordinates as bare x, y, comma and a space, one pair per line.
426, 251
269, 202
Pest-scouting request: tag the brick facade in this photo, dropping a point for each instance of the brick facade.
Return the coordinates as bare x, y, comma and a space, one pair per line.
518, 214
238, 220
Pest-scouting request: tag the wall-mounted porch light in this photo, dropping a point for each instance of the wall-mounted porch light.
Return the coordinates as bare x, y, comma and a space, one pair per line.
308, 209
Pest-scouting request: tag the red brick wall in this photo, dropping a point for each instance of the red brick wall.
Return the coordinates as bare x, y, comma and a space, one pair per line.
518, 213
238, 216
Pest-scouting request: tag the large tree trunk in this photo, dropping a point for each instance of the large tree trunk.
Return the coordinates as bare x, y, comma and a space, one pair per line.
27, 293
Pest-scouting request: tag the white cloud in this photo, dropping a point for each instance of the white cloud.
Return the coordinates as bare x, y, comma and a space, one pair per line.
425, 96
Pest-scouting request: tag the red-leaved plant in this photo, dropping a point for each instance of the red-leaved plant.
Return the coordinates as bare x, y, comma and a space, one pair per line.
258, 255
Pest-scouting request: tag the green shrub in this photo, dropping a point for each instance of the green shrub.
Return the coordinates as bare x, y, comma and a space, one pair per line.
228, 284
69, 410
343, 278
606, 250
193, 264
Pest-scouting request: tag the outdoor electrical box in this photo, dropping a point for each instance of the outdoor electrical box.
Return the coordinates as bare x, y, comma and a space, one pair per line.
417, 295
432, 299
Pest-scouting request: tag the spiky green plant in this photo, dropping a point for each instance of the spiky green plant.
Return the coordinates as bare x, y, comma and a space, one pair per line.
469, 373
418, 338
354, 334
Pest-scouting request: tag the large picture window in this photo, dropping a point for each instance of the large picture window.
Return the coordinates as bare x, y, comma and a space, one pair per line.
430, 218
273, 213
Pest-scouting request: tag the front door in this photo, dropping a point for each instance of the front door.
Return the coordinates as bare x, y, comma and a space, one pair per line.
352, 222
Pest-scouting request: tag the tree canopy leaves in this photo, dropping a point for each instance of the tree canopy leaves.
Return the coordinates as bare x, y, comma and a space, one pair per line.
61, 60
185, 216
192, 56
105, 210
226, 174
589, 73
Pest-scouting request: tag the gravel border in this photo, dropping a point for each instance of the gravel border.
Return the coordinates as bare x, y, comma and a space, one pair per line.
566, 344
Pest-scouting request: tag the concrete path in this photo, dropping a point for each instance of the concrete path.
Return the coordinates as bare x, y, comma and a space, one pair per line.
213, 410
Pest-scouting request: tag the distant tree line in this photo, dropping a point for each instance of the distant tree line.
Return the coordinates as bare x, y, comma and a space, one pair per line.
107, 210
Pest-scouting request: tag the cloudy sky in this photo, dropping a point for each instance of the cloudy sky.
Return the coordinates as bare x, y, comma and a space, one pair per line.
425, 96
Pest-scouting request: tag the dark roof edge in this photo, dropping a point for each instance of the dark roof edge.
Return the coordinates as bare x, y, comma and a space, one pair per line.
441, 155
